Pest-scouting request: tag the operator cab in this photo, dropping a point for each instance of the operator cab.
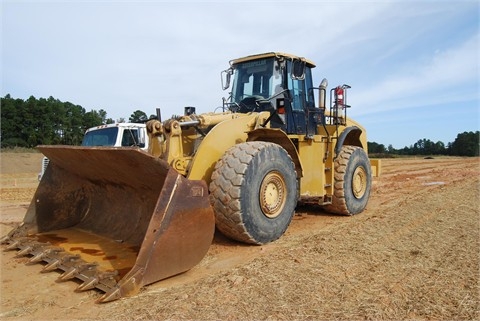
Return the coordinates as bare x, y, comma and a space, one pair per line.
279, 83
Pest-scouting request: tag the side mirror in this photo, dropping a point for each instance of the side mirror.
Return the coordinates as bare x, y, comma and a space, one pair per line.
298, 69
226, 75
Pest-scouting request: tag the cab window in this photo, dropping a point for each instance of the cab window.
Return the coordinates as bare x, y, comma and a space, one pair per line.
302, 97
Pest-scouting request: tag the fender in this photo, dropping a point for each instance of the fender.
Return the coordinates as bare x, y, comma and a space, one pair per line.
349, 136
277, 136
220, 138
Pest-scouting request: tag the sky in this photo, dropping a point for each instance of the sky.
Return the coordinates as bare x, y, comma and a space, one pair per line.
413, 65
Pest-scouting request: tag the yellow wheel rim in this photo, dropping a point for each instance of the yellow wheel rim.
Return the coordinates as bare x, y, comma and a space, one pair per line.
273, 194
359, 182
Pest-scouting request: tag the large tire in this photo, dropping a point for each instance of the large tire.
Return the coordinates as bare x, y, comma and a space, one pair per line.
254, 192
353, 181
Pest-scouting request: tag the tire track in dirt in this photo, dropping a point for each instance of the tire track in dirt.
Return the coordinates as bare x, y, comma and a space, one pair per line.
413, 254
390, 262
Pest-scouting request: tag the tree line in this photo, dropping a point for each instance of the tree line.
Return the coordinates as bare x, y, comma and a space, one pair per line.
466, 144
49, 121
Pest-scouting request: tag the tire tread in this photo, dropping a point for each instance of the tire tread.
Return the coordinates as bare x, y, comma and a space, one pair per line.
225, 189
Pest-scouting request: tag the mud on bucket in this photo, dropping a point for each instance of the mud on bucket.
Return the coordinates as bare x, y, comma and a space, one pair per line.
117, 219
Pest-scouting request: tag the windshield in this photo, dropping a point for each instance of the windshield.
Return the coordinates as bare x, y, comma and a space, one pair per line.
101, 137
258, 78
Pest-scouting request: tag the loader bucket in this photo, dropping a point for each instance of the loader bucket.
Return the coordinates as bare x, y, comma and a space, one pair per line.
115, 218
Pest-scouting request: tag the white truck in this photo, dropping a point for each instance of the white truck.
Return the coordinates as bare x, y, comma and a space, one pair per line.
115, 135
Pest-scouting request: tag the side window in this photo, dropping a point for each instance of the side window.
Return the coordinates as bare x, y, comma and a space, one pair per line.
130, 137
309, 88
298, 94
297, 90
247, 86
301, 90
276, 85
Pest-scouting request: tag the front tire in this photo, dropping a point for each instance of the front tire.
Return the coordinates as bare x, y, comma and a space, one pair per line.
353, 181
253, 192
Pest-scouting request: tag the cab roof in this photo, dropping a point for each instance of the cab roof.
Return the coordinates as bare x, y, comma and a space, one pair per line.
310, 63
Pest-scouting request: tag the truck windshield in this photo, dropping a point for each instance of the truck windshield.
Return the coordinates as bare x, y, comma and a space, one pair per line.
258, 78
101, 137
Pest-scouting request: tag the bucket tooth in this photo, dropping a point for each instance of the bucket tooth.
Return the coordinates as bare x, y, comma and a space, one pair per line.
88, 284
69, 274
56, 262
18, 243
42, 255
26, 250
12, 246
52, 266
112, 295
5, 239
76, 270
93, 281
30, 247
37, 258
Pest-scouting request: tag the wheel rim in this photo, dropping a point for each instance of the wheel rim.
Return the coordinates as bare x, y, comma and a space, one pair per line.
273, 194
359, 182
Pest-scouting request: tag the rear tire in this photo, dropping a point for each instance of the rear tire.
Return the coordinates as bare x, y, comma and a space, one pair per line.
353, 181
253, 192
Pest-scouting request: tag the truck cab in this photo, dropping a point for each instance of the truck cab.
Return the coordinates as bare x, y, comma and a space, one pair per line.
117, 135
114, 135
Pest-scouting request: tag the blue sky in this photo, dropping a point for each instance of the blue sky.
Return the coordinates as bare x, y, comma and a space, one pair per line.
413, 65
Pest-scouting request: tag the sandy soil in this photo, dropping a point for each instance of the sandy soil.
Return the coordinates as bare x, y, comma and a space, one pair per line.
413, 254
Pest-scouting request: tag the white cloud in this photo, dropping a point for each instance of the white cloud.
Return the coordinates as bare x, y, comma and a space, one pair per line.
450, 76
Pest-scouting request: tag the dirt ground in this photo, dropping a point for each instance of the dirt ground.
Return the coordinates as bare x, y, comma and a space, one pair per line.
413, 254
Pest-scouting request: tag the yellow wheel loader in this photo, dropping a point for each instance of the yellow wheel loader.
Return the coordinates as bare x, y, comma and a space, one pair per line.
121, 218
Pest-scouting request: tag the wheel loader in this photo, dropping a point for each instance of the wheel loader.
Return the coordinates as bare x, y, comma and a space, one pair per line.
117, 219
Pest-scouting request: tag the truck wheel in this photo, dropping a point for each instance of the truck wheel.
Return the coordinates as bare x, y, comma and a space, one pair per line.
254, 192
353, 181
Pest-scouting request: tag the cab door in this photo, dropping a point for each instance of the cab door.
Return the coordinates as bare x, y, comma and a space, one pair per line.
299, 79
